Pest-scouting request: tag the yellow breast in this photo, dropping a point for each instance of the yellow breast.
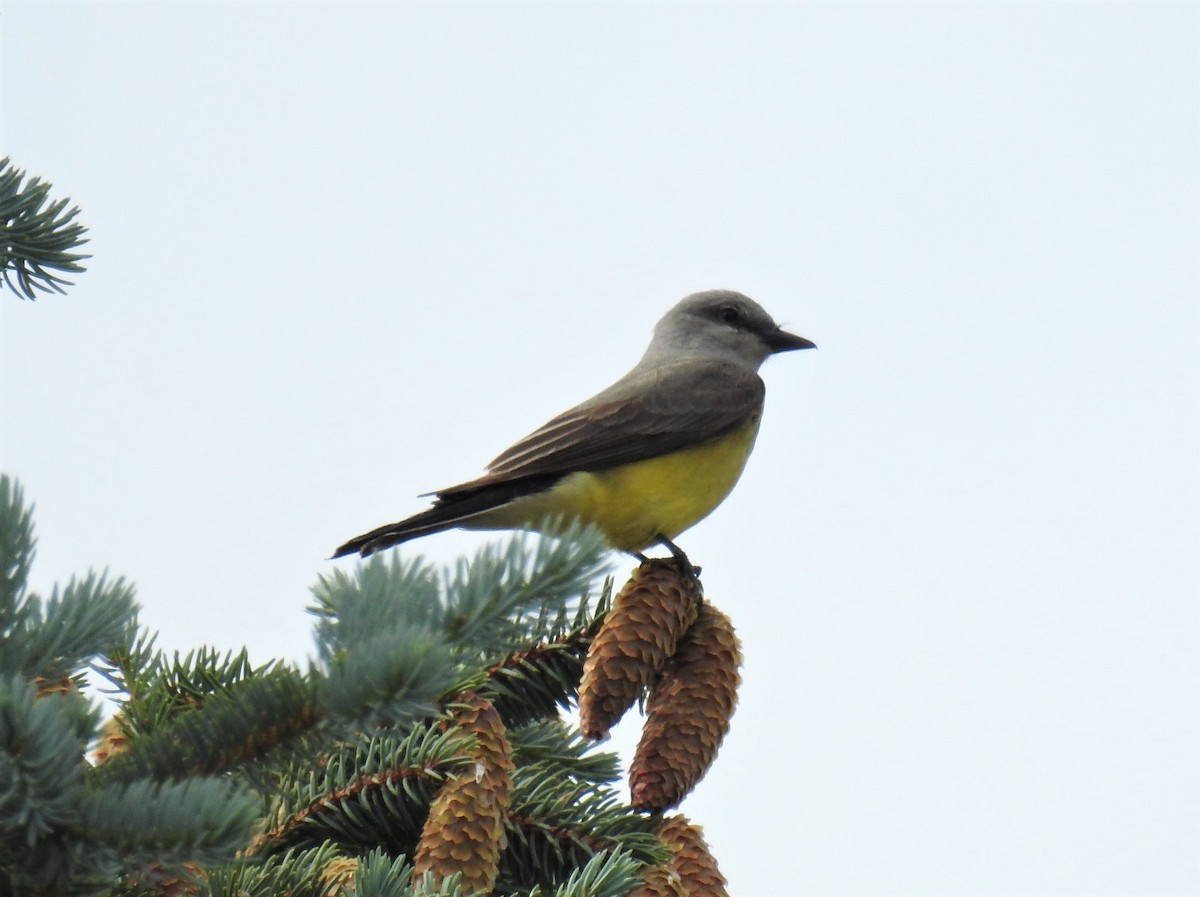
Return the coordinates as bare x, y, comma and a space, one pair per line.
634, 503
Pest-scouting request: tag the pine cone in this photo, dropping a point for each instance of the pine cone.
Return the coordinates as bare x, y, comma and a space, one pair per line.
660, 881
648, 617
695, 866
465, 828
60, 686
338, 876
688, 713
112, 741
184, 881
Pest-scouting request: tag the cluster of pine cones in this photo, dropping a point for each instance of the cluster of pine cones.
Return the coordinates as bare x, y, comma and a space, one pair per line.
661, 643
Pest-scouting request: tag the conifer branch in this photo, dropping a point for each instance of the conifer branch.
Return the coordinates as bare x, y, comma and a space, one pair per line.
198, 820
429, 885
63, 828
16, 548
383, 656
228, 730
373, 785
506, 594
379, 875
607, 874
36, 239
557, 823
535, 683
41, 747
84, 620
158, 688
563, 751
293, 872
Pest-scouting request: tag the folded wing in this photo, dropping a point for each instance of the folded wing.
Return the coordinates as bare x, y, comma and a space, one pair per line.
645, 414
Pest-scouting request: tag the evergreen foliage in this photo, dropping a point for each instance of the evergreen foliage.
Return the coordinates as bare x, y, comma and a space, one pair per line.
220, 777
36, 239
63, 829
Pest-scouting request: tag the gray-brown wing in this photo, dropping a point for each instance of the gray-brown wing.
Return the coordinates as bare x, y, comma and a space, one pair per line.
656, 413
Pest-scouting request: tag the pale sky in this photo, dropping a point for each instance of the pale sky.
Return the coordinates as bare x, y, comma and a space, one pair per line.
345, 253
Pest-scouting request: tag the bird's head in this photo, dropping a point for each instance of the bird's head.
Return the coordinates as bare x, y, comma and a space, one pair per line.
722, 325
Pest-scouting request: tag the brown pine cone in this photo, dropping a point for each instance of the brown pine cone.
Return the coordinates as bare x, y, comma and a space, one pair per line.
338, 875
660, 881
649, 615
465, 828
688, 713
112, 741
695, 866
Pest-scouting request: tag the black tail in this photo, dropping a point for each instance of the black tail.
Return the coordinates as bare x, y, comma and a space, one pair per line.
434, 520
451, 508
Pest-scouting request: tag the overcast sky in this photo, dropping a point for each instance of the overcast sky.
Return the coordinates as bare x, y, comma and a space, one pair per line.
346, 253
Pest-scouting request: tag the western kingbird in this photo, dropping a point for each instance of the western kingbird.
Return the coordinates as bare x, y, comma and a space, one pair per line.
643, 460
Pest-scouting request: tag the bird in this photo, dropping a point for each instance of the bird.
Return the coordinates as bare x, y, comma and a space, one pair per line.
644, 459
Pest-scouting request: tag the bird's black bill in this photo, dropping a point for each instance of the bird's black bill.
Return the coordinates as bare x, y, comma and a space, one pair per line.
782, 341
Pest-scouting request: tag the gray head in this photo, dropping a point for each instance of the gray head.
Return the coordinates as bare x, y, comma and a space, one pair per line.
721, 324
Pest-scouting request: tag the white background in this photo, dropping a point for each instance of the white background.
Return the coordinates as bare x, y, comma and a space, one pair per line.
346, 253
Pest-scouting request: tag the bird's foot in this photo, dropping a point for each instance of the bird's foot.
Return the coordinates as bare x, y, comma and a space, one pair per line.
681, 559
